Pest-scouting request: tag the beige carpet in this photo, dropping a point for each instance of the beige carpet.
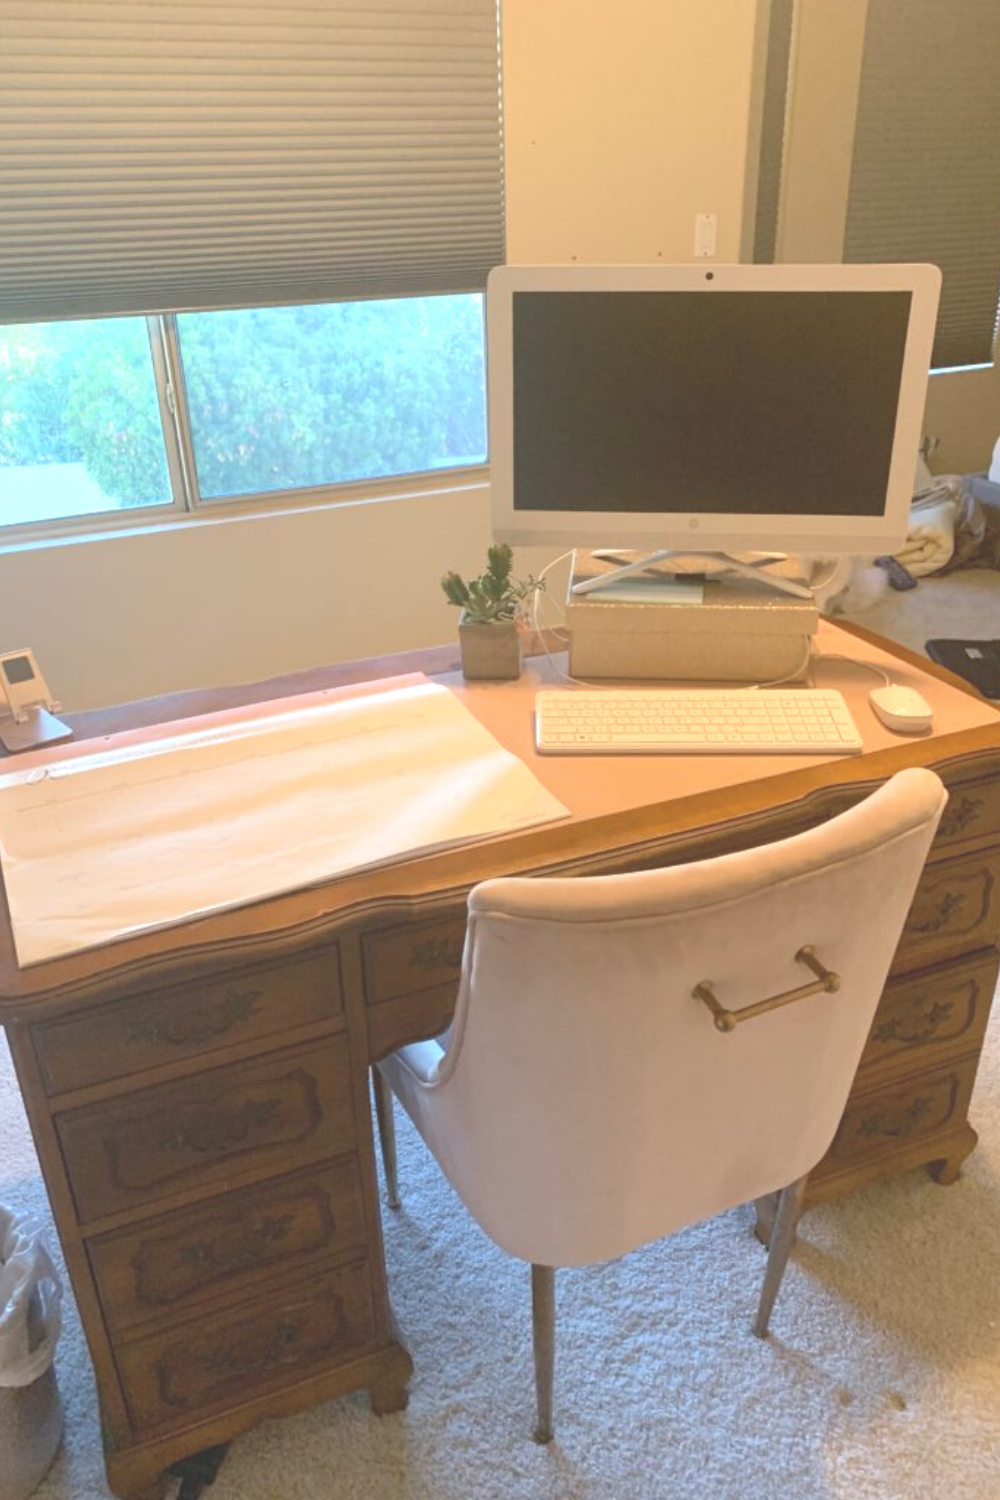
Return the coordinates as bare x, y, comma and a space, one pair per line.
961, 606
881, 1380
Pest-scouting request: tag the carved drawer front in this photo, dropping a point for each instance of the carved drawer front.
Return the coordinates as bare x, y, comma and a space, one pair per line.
898, 1115
945, 1007
409, 1018
187, 1021
176, 1376
956, 910
171, 1264
419, 956
250, 1118
973, 812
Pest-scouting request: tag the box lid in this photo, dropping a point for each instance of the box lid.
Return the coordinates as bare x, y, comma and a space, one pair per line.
717, 602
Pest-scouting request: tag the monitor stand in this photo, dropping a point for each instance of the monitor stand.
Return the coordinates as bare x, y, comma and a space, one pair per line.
730, 564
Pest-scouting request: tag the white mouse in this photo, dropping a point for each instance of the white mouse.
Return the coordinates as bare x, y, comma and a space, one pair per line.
901, 708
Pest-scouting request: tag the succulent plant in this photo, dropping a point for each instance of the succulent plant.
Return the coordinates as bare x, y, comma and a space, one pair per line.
495, 594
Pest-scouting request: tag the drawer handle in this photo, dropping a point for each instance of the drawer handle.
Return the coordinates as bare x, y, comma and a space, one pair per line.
258, 1239
237, 1006
311, 1332
437, 953
893, 1031
233, 1362
950, 903
958, 817
727, 1020
218, 1132
901, 1125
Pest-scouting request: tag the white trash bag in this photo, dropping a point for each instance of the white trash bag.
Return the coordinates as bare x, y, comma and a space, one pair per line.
30, 1320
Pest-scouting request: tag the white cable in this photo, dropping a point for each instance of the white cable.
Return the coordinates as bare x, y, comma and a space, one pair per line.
540, 591
540, 631
793, 676
856, 661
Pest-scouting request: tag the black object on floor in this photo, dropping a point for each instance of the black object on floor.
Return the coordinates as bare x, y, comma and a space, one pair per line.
977, 661
899, 577
199, 1471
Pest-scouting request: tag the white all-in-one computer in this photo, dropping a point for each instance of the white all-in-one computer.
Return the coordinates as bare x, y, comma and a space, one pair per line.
721, 408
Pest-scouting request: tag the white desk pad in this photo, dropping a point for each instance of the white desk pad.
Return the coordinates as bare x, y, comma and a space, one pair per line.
110, 841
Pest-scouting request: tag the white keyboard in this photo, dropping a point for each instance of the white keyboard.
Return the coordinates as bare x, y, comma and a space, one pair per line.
696, 721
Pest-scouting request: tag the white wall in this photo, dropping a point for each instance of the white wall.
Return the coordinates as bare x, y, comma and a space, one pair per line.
623, 121
624, 118
235, 600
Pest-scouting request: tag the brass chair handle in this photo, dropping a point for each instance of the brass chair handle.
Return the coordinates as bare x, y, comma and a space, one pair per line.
727, 1020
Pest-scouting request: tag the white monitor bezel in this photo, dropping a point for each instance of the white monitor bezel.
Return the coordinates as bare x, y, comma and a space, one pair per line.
730, 532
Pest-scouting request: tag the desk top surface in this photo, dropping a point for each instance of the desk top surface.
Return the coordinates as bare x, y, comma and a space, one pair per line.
616, 802
592, 786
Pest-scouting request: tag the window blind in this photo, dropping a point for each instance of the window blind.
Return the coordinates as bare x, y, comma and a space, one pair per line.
925, 177
228, 153
772, 130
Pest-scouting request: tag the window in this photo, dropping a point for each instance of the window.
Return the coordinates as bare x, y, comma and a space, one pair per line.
879, 140
178, 413
279, 223
80, 429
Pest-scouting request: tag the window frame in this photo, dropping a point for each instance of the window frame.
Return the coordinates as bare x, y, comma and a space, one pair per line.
188, 507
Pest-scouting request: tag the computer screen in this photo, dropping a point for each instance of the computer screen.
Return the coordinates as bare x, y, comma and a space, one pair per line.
710, 408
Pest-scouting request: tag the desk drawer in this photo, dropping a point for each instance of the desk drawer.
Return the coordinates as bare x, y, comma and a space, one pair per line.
171, 1264
405, 960
973, 812
955, 911
901, 1114
410, 1018
942, 1008
170, 1025
249, 1119
232, 1356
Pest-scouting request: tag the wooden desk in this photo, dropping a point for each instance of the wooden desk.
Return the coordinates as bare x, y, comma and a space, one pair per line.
199, 1096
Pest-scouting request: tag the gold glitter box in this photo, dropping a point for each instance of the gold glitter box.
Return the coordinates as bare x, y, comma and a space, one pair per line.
698, 625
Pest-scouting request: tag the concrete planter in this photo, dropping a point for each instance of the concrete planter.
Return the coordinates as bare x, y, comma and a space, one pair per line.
490, 652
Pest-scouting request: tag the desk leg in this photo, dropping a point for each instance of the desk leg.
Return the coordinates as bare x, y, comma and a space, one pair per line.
948, 1169
199, 1471
389, 1392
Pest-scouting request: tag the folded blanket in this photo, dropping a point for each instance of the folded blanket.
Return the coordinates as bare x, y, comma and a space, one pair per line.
930, 540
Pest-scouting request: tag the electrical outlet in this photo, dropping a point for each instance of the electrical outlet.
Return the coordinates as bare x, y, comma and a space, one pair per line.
705, 229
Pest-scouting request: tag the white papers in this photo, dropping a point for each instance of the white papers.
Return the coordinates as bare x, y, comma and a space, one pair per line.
117, 841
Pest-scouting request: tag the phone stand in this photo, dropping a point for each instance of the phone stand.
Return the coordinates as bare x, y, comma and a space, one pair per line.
37, 727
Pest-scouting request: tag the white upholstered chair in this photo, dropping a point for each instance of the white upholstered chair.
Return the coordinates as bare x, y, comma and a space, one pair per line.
610, 1075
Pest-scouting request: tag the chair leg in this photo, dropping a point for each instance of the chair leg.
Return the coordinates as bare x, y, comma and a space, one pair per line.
782, 1239
386, 1118
543, 1333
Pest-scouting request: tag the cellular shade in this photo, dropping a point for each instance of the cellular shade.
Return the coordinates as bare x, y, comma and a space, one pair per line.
925, 179
228, 153
772, 130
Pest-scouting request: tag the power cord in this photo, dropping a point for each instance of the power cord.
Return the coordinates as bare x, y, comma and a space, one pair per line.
543, 630
794, 676
868, 666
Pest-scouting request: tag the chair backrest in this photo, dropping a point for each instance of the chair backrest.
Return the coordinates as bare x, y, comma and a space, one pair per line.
589, 1102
